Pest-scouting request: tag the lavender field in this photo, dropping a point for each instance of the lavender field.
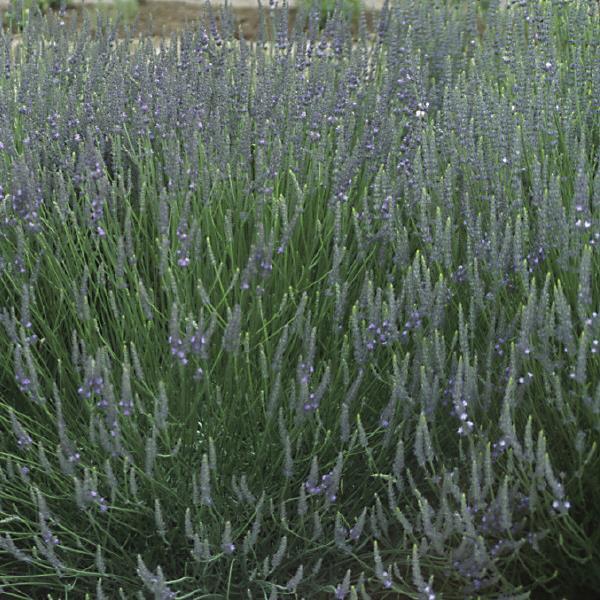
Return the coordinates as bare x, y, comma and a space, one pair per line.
311, 317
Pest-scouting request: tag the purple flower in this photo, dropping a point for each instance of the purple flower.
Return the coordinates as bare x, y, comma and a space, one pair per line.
385, 579
91, 385
229, 548
305, 371
178, 349
23, 382
49, 538
340, 594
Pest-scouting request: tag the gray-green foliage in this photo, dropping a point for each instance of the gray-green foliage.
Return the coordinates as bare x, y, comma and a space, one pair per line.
315, 317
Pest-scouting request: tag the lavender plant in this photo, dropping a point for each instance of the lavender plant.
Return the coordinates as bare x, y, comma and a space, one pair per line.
311, 317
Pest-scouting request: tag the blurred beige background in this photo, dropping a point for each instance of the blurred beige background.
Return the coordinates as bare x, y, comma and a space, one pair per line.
372, 4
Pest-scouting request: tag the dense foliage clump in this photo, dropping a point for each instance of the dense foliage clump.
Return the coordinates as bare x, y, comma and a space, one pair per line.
313, 317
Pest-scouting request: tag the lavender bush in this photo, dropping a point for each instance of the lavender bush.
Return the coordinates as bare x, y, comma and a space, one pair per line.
311, 318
